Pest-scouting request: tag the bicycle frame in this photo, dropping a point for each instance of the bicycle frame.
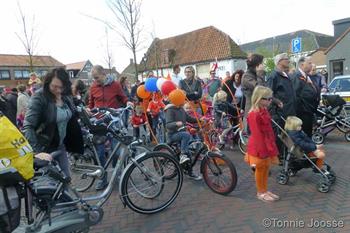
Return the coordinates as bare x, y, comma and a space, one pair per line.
78, 217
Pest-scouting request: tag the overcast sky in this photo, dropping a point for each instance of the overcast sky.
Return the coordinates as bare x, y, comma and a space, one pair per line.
67, 34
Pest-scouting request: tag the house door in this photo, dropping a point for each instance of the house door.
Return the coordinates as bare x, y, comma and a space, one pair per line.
337, 68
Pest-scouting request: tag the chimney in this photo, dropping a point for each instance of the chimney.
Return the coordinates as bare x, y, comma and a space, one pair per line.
131, 61
340, 26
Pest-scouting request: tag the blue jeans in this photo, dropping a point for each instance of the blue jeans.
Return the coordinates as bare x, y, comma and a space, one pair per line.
184, 137
101, 151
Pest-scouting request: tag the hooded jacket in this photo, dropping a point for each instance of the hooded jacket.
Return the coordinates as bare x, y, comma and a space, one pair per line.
174, 114
110, 94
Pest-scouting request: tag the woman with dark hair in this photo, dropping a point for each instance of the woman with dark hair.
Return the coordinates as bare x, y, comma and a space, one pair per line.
79, 92
251, 79
233, 85
50, 123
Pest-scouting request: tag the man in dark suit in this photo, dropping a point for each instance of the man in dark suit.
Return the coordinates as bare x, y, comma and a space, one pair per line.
306, 95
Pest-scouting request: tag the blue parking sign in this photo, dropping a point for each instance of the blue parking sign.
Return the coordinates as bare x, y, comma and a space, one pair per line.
296, 45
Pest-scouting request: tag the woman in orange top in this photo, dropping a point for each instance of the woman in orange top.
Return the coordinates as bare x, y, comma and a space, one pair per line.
261, 149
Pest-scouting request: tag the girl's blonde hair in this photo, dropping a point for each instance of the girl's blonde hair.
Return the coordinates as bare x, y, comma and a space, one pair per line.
187, 105
259, 93
292, 123
220, 95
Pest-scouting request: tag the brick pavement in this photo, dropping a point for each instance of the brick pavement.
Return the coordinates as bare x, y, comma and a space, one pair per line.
198, 209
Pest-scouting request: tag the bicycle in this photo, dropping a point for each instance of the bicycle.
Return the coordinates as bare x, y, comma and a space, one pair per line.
143, 178
234, 134
214, 164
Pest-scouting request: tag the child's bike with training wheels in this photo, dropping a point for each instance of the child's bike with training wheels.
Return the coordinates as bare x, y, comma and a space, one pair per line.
235, 134
219, 173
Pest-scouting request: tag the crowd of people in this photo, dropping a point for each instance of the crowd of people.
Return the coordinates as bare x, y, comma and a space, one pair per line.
46, 110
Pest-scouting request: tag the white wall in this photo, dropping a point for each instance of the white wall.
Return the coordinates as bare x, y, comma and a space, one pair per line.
230, 65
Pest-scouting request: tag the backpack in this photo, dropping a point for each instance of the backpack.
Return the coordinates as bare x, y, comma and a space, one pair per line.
15, 152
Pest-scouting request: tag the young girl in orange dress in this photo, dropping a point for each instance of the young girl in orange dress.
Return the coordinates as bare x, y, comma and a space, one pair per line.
261, 149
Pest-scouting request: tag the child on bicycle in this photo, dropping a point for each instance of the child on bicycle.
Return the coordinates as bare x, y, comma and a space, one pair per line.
176, 118
221, 109
190, 128
261, 149
154, 109
138, 119
293, 128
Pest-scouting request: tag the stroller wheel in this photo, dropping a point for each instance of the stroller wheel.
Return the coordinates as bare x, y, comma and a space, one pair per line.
347, 136
292, 172
318, 138
282, 178
323, 186
331, 177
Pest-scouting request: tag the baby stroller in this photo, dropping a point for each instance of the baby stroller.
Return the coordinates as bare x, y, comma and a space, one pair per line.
330, 117
294, 159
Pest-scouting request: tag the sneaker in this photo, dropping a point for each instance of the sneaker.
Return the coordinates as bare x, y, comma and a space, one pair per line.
184, 159
193, 176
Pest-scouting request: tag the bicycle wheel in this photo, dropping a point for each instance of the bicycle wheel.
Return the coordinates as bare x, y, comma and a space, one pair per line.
170, 172
242, 143
147, 176
80, 180
219, 173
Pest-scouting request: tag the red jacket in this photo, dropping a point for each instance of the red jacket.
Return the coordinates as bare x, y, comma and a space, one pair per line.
155, 108
111, 96
262, 141
138, 120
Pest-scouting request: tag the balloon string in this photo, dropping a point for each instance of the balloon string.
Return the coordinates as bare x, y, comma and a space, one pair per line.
149, 126
206, 141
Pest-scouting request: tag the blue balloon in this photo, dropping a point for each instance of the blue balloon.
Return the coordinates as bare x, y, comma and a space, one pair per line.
151, 84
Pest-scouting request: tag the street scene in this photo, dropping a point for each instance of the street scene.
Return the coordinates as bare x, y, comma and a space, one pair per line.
148, 117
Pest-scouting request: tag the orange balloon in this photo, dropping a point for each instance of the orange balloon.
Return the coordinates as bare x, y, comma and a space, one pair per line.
177, 97
142, 93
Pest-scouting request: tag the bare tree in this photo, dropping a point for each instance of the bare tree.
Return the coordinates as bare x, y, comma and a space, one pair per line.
28, 36
109, 55
127, 14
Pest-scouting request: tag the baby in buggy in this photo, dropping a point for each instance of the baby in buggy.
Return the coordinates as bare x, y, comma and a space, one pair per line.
302, 152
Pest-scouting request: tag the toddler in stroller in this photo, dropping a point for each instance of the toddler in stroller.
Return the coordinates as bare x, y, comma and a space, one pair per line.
302, 152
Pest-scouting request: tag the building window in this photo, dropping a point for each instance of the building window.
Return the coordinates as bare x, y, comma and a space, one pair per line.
4, 74
41, 73
71, 74
20, 74
337, 68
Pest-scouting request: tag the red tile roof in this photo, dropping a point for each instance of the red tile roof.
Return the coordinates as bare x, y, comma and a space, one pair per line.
76, 65
23, 60
201, 45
